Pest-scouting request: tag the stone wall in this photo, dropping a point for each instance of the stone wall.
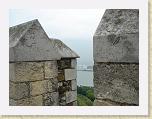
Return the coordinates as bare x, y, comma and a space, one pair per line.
116, 58
67, 82
33, 83
38, 76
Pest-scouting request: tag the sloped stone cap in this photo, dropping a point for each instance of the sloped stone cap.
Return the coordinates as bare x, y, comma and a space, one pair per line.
29, 42
63, 49
117, 36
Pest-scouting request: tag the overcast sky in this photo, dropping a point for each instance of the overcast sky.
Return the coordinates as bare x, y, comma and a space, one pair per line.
75, 27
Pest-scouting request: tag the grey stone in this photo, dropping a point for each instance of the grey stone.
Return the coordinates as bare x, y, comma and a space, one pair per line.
71, 96
70, 74
64, 64
53, 85
74, 84
40, 87
116, 48
31, 101
12, 71
61, 76
51, 70
64, 50
103, 103
118, 21
117, 37
117, 82
26, 71
75, 103
74, 63
18, 90
51, 99
29, 42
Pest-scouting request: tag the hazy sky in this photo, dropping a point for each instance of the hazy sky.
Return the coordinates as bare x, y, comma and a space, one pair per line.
75, 27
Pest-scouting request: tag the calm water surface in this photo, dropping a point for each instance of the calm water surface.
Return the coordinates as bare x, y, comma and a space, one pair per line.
85, 78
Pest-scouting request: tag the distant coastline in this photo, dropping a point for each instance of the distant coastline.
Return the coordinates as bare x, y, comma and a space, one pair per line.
85, 70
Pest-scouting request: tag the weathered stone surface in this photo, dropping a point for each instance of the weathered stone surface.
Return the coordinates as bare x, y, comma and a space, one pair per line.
40, 87
74, 63
51, 69
71, 96
72, 103
51, 99
12, 102
74, 84
117, 82
12, 71
116, 48
53, 85
66, 86
117, 37
118, 21
64, 63
29, 42
32, 101
62, 103
27, 71
63, 49
61, 76
75, 103
107, 102
103, 103
70, 74
18, 91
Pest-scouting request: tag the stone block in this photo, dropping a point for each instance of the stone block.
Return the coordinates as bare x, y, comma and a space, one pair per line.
51, 99
40, 87
70, 74
119, 21
117, 82
71, 96
61, 76
53, 85
27, 71
62, 103
116, 48
18, 90
64, 63
12, 71
51, 70
74, 63
75, 103
65, 87
72, 103
74, 84
32, 101
29, 42
12, 102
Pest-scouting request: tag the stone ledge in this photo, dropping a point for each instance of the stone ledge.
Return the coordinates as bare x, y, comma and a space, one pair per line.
116, 48
71, 96
70, 74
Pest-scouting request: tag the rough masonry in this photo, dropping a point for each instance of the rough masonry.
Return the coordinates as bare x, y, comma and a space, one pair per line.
67, 84
116, 58
34, 68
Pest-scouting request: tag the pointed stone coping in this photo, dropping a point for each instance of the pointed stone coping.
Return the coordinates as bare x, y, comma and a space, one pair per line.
29, 42
63, 49
117, 37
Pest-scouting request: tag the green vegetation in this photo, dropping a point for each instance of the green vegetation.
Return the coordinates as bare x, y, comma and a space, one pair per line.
85, 96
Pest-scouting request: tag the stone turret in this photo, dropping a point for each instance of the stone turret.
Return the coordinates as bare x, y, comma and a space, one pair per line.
33, 67
116, 58
67, 74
